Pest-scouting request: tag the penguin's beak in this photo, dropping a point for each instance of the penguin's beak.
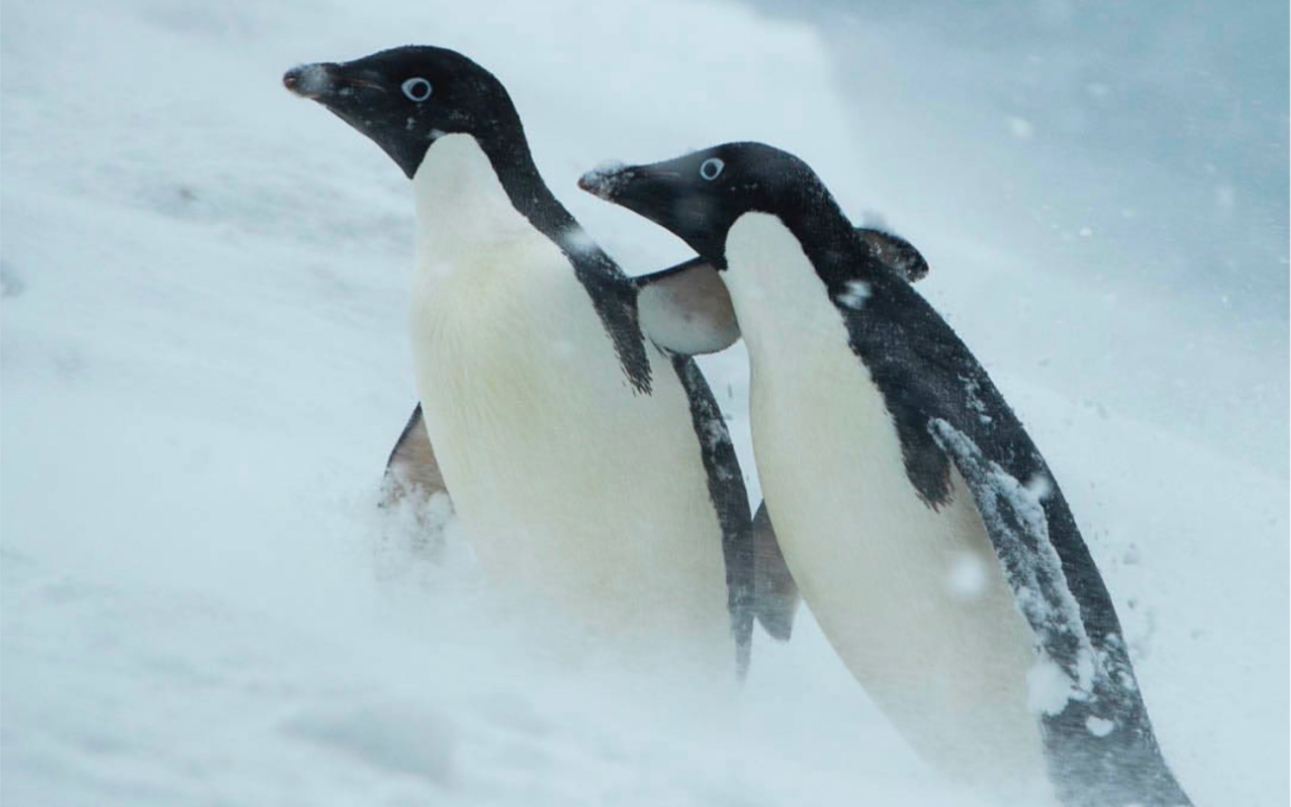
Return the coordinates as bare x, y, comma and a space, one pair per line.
336, 86
635, 187
312, 81
605, 179
660, 193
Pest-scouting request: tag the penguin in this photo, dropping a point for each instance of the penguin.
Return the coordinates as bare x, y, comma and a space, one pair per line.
591, 471
412, 470
920, 521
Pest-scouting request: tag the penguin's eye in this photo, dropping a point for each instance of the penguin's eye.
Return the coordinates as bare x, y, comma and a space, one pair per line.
711, 168
417, 89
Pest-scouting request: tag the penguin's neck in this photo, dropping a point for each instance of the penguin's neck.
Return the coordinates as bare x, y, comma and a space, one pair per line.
462, 205
484, 213
472, 193
821, 256
828, 239
782, 303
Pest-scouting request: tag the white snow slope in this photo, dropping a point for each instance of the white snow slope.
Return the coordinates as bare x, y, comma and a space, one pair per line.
204, 364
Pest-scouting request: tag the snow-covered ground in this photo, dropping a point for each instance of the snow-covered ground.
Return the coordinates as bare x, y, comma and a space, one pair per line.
204, 363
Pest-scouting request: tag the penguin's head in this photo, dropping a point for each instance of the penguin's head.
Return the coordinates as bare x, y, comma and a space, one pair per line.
406, 98
699, 197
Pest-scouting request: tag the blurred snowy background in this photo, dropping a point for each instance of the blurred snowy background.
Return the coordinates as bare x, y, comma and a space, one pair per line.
204, 362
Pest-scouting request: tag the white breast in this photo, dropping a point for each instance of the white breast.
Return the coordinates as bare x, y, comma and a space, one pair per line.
572, 488
911, 598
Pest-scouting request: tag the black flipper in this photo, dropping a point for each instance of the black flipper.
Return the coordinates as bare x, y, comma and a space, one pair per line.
730, 500
775, 594
1099, 743
412, 468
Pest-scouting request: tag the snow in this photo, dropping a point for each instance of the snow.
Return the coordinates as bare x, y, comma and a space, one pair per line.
577, 239
1099, 727
974, 401
1049, 687
1021, 128
203, 365
1039, 487
855, 293
967, 578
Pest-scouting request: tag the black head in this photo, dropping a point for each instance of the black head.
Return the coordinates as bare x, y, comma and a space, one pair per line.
406, 98
699, 196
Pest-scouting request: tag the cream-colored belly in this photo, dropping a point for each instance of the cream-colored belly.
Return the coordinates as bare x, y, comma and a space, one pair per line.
912, 598
574, 491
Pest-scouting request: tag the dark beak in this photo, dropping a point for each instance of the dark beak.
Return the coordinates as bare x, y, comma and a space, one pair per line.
606, 180
658, 192
312, 81
643, 189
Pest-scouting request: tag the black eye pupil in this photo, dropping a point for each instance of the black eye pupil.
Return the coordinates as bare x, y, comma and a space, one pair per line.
711, 168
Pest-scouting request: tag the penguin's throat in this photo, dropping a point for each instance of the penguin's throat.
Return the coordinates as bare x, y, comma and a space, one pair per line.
463, 208
781, 303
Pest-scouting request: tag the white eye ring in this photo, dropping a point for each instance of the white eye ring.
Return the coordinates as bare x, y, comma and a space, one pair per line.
417, 89
711, 168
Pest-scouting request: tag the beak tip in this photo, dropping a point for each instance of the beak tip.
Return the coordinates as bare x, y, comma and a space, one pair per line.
309, 80
604, 180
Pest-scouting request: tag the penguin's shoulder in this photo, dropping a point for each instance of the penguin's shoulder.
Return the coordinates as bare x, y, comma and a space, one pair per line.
914, 360
612, 294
